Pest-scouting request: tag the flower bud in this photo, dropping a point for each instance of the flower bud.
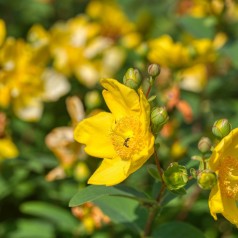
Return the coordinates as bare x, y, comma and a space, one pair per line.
81, 172
204, 144
206, 179
221, 128
154, 70
159, 117
175, 176
92, 99
132, 78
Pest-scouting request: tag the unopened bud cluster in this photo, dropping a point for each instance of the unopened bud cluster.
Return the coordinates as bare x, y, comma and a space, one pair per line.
175, 176
154, 70
204, 144
159, 117
206, 179
132, 78
221, 128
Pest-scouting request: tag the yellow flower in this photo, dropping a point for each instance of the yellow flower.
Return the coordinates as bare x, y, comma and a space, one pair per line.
8, 149
166, 52
122, 137
2, 31
224, 195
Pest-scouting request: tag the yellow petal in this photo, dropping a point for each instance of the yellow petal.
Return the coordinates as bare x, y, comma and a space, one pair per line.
8, 149
144, 111
94, 132
224, 205
2, 31
139, 159
120, 99
110, 172
215, 202
230, 210
226, 147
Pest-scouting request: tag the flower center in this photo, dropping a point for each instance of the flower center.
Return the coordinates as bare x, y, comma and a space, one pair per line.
126, 137
228, 177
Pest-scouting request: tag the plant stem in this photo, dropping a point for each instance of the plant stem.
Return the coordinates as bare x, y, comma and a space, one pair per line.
154, 209
148, 91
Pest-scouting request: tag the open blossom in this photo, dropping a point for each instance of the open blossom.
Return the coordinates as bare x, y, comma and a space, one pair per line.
122, 138
224, 195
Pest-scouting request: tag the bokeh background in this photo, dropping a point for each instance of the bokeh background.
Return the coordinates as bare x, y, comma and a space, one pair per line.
52, 56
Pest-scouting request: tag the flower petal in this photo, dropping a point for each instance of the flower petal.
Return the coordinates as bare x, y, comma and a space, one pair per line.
144, 111
215, 202
120, 99
224, 205
226, 147
94, 132
139, 159
110, 172
230, 210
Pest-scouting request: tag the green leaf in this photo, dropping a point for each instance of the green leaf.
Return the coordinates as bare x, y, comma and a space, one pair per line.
181, 191
198, 27
59, 216
30, 228
152, 98
124, 211
153, 171
231, 51
94, 192
177, 230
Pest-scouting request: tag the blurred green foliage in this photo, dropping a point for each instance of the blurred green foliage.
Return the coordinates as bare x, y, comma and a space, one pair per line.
31, 206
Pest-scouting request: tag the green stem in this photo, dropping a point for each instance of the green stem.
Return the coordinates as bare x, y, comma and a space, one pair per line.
148, 91
154, 210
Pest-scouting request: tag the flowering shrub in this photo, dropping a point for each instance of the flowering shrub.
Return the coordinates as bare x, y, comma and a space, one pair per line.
118, 119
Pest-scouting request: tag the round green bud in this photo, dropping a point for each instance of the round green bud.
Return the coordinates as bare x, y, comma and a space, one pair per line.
175, 176
206, 179
221, 128
154, 70
132, 78
93, 99
204, 144
159, 117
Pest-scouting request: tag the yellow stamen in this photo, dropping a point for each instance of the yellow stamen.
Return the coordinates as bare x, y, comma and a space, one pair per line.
228, 177
126, 137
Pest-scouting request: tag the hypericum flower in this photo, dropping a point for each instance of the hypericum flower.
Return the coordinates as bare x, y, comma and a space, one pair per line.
61, 140
2, 31
123, 137
224, 162
7, 148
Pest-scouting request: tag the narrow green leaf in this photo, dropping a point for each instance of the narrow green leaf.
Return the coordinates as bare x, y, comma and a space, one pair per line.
181, 191
177, 230
153, 171
61, 217
30, 228
94, 192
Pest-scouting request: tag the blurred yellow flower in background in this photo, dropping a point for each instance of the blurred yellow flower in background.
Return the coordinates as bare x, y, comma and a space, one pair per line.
224, 162
8, 149
122, 137
166, 52
25, 81
2, 31
78, 48
61, 142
